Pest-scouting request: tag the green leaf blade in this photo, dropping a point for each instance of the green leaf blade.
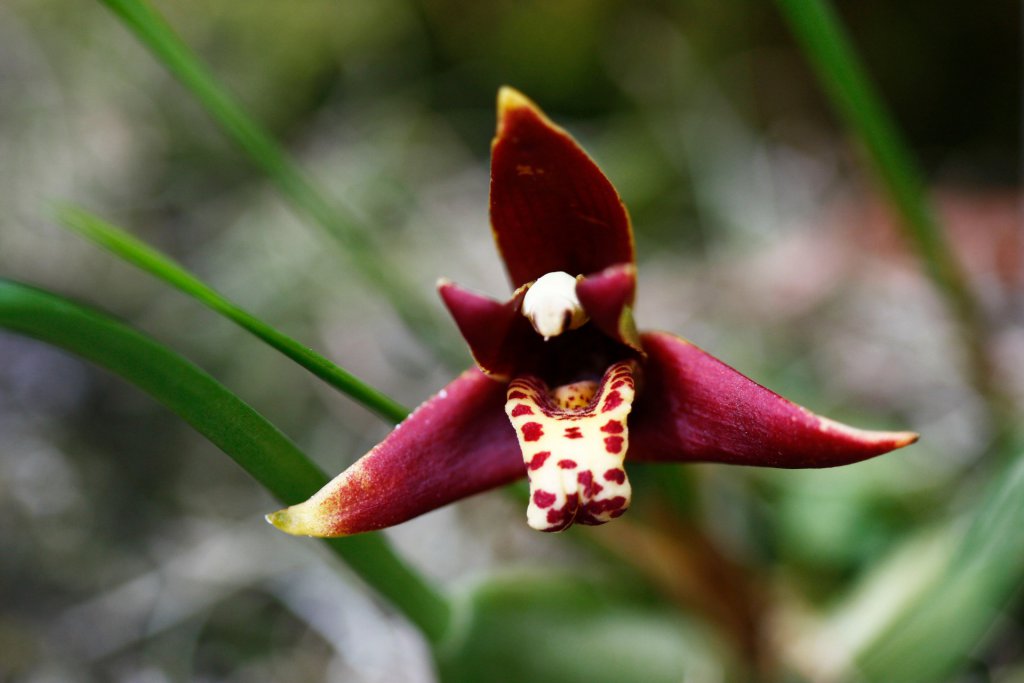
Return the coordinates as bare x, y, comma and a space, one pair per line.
223, 418
153, 262
365, 255
848, 85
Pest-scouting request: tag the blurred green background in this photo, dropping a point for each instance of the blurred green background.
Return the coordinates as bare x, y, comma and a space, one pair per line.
132, 550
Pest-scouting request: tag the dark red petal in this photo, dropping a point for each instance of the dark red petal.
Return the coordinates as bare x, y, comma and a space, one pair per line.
456, 444
696, 408
497, 333
607, 297
551, 207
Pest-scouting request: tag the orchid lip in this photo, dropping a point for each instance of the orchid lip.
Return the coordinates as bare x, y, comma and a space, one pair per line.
574, 439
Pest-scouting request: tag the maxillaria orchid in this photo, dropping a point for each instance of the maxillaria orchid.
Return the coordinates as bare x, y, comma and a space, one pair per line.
566, 389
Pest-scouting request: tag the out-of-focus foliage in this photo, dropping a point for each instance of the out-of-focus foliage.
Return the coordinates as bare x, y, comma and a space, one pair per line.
572, 629
133, 551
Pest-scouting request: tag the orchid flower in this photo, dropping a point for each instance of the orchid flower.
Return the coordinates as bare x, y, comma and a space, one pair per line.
565, 389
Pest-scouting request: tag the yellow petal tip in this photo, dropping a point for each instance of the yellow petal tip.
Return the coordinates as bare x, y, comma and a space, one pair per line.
297, 521
509, 98
906, 438
888, 440
280, 519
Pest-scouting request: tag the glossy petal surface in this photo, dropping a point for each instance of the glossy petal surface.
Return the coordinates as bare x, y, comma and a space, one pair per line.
497, 334
552, 208
607, 298
456, 444
694, 407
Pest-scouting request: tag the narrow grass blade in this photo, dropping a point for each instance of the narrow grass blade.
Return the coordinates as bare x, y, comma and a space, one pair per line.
934, 636
227, 421
356, 239
150, 260
848, 86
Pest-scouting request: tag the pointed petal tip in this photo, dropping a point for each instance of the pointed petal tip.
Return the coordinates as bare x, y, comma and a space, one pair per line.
883, 441
511, 101
281, 519
299, 520
901, 439
697, 408
509, 98
898, 439
906, 438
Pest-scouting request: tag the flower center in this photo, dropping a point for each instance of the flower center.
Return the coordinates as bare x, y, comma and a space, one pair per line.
574, 396
574, 440
551, 305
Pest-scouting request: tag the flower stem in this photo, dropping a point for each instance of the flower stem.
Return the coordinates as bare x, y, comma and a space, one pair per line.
851, 92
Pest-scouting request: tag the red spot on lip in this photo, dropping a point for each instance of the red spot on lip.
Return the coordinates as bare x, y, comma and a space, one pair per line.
567, 464
597, 512
616, 475
543, 499
573, 433
522, 409
516, 394
537, 461
590, 487
613, 401
613, 444
561, 518
532, 431
613, 427
597, 507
